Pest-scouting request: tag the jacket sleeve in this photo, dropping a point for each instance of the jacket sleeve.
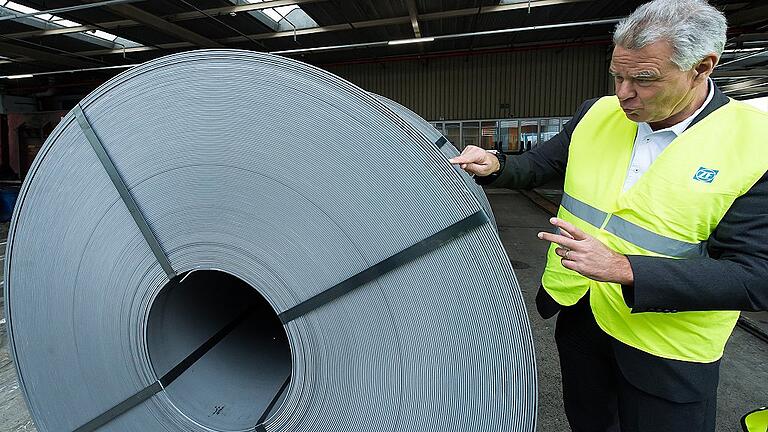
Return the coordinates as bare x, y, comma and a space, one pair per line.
542, 163
734, 277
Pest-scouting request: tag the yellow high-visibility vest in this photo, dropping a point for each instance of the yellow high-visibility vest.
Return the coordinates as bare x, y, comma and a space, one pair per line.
670, 212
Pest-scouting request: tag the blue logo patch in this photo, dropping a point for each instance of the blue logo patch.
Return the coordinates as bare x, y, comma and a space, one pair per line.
705, 175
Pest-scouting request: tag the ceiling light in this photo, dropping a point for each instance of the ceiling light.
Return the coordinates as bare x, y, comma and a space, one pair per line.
409, 41
738, 50
19, 76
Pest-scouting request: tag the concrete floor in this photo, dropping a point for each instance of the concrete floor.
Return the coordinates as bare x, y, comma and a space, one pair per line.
14, 416
744, 377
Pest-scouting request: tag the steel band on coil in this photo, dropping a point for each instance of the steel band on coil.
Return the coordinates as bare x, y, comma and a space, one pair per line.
264, 182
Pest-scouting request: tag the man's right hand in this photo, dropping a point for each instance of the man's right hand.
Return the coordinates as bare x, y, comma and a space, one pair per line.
477, 161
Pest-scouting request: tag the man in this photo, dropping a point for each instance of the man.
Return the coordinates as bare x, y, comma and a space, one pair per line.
662, 234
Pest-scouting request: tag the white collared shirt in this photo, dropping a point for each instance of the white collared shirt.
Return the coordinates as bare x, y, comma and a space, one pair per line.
649, 144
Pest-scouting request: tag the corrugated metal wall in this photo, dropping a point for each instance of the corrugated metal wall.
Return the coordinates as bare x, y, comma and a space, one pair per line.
535, 83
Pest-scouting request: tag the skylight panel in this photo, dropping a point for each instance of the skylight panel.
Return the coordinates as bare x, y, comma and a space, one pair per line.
279, 16
64, 22
104, 35
48, 19
20, 8
285, 10
272, 14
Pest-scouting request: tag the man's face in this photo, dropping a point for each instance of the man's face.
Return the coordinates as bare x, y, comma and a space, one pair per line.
650, 87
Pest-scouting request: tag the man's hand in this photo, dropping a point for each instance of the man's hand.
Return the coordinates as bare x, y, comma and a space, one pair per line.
477, 161
586, 255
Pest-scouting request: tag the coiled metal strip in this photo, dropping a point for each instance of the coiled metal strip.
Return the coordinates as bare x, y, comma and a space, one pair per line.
206, 144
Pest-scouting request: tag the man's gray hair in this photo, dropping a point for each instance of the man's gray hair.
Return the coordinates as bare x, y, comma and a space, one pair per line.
693, 27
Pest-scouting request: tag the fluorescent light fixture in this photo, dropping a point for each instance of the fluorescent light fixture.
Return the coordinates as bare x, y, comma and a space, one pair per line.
738, 50
68, 71
448, 36
410, 41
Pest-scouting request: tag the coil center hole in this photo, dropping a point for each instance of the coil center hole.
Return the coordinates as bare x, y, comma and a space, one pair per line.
235, 381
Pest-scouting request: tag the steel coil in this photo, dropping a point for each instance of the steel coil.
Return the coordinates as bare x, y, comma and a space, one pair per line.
183, 208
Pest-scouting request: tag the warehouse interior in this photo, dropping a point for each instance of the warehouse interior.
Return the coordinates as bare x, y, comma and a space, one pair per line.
503, 75
497, 74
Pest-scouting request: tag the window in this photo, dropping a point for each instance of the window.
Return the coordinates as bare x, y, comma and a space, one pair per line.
470, 134
529, 134
453, 134
488, 135
508, 132
549, 128
505, 135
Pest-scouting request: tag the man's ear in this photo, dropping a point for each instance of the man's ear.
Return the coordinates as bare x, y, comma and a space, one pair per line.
705, 67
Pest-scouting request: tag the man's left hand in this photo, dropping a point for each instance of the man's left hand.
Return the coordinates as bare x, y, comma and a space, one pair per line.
586, 255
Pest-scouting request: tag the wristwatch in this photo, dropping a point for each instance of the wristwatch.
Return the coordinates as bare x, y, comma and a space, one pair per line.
490, 178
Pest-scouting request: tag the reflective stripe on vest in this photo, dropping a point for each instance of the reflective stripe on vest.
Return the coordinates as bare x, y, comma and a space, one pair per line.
633, 233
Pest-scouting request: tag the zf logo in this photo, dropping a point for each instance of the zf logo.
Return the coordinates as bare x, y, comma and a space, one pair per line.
705, 175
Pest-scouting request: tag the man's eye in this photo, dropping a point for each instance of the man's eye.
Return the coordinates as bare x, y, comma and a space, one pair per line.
618, 79
644, 81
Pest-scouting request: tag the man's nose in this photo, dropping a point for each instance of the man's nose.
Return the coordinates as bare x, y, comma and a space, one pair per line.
625, 90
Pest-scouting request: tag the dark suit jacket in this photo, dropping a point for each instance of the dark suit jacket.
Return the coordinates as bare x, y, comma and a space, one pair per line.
733, 277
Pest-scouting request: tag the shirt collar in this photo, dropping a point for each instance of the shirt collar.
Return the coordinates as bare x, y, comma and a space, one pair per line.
645, 129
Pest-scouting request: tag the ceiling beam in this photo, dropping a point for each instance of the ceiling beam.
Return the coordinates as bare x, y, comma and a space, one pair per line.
749, 37
163, 26
744, 85
750, 91
41, 24
226, 10
763, 72
69, 30
93, 4
496, 8
8, 49
749, 16
403, 19
276, 3
757, 94
183, 16
413, 12
345, 26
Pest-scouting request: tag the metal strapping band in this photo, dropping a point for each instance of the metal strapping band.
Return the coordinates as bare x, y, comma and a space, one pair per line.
260, 424
441, 142
653, 242
403, 257
122, 189
583, 211
166, 380
121, 408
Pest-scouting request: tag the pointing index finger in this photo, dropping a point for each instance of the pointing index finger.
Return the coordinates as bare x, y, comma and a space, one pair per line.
570, 228
559, 239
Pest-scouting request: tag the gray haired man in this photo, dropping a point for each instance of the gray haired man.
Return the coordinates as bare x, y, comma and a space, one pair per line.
662, 233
